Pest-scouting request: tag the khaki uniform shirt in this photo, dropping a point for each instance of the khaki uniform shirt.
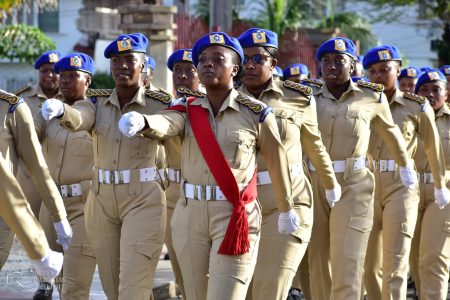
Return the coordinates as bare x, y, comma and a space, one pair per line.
239, 134
442, 119
416, 120
297, 122
112, 150
18, 140
346, 123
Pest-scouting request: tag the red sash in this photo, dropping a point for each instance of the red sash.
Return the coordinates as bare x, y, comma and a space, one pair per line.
236, 240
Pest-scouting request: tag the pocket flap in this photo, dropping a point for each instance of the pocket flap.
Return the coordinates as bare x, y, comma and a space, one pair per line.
147, 249
407, 229
360, 224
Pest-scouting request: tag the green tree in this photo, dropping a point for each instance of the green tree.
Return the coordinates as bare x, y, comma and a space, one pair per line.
23, 42
354, 27
7, 5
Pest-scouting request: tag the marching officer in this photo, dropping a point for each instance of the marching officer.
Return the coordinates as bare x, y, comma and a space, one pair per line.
126, 216
46, 88
216, 223
66, 151
296, 73
446, 71
395, 210
277, 73
407, 79
18, 141
294, 108
430, 253
347, 112
358, 72
16, 212
185, 79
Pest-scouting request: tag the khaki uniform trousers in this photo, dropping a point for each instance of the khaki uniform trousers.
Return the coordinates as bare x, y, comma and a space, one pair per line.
430, 253
173, 187
79, 260
125, 224
32, 196
395, 215
279, 256
301, 279
16, 212
198, 229
340, 235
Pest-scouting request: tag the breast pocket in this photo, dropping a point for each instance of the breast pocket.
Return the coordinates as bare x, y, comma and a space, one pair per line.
100, 139
358, 122
81, 144
287, 121
445, 140
240, 148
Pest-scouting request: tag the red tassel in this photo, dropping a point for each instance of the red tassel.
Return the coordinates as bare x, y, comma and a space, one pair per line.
236, 240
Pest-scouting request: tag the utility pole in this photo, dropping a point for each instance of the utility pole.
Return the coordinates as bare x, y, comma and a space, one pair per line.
220, 15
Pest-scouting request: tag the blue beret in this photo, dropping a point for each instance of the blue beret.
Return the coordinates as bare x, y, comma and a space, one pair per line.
49, 57
256, 37
295, 69
410, 72
75, 62
356, 79
216, 39
277, 71
360, 58
336, 45
429, 76
184, 55
150, 62
445, 69
381, 53
425, 69
133, 42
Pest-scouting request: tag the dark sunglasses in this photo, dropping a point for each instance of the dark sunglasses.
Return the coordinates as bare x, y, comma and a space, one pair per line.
256, 59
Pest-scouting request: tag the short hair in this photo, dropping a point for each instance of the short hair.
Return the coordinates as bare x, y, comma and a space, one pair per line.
273, 52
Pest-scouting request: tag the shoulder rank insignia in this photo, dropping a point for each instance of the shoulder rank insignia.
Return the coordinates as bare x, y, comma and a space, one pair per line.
303, 89
414, 97
11, 98
373, 86
98, 92
252, 104
163, 91
22, 90
422, 100
164, 98
187, 92
312, 82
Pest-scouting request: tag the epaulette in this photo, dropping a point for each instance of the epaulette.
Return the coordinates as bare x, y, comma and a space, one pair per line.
163, 91
422, 100
187, 92
313, 82
11, 98
164, 98
255, 106
303, 89
414, 97
99, 92
22, 90
373, 86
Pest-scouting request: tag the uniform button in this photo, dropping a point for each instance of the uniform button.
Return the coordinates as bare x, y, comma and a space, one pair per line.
117, 140
115, 161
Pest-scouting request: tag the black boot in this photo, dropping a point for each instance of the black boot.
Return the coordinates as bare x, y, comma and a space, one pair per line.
44, 291
294, 294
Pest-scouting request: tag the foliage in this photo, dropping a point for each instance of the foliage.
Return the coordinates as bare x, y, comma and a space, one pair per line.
201, 9
102, 81
23, 42
7, 5
354, 26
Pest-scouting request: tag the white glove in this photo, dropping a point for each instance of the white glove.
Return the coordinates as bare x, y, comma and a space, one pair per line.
333, 195
52, 108
408, 176
442, 197
64, 233
48, 267
288, 222
131, 123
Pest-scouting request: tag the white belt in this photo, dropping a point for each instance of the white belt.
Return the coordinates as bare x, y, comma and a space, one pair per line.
339, 165
124, 176
295, 170
425, 178
384, 165
71, 190
174, 175
205, 192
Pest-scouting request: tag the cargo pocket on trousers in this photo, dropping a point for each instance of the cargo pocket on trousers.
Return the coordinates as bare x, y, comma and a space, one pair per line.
357, 237
407, 229
141, 265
